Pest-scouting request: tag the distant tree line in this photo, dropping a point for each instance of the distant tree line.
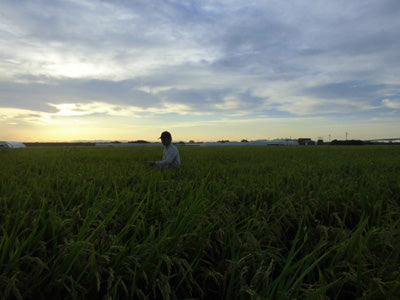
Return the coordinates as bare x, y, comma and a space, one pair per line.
359, 142
349, 142
138, 142
55, 144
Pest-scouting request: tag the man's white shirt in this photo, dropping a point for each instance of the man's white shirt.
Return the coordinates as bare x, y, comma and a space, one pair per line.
170, 158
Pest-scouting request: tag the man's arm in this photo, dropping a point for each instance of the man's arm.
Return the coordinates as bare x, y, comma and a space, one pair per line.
170, 156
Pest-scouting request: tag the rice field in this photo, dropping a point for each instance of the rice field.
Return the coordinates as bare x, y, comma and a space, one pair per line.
244, 222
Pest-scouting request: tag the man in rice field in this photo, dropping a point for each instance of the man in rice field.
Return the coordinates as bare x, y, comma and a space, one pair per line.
171, 156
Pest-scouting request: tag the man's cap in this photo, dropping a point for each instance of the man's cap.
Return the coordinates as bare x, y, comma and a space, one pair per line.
165, 135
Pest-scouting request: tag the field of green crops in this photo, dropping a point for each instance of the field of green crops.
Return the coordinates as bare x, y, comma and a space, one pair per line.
258, 222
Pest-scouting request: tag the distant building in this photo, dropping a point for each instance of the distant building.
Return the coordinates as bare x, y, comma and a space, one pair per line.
9, 144
305, 141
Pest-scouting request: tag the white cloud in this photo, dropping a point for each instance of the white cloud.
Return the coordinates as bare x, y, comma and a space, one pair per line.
73, 110
391, 103
81, 109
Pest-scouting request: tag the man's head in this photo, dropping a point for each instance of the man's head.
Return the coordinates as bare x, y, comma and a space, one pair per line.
166, 138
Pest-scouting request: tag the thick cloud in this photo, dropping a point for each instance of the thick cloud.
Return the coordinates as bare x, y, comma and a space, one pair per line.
202, 57
215, 101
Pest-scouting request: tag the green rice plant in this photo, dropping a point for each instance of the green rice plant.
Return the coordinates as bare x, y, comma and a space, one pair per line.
232, 222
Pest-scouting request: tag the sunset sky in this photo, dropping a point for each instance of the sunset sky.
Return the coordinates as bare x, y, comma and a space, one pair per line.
204, 70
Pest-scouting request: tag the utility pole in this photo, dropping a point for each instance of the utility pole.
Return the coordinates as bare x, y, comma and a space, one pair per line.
329, 137
346, 135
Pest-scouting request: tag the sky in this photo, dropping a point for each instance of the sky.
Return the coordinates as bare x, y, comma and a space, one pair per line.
204, 70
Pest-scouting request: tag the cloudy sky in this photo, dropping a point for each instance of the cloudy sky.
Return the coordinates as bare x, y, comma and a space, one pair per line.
205, 70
